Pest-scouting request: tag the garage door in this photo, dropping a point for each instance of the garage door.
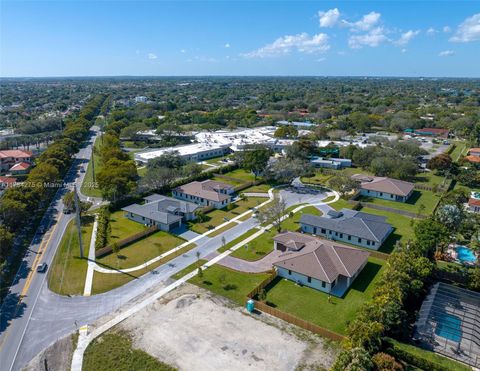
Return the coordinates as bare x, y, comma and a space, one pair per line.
174, 225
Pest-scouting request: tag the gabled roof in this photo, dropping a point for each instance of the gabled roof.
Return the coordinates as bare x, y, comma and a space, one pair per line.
161, 209
7, 180
354, 223
322, 259
474, 202
15, 153
472, 158
20, 166
206, 189
388, 185
474, 150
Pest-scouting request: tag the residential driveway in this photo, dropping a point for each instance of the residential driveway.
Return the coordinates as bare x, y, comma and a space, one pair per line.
187, 234
302, 195
257, 266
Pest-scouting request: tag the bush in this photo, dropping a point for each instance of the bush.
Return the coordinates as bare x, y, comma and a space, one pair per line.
356, 359
385, 362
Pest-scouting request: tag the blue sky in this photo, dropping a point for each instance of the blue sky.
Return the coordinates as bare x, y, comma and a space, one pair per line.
107, 38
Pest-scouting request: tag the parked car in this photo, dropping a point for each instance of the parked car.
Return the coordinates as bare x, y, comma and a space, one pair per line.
42, 268
82, 170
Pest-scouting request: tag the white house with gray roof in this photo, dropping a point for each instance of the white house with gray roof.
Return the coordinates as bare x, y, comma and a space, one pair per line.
321, 264
165, 212
385, 188
354, 227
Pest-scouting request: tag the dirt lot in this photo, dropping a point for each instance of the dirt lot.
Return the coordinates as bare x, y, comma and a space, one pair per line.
194, 330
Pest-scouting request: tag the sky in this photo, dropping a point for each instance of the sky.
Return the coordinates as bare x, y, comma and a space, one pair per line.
180, 38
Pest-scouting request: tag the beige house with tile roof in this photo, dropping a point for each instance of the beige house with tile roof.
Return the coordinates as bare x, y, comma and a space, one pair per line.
206, 193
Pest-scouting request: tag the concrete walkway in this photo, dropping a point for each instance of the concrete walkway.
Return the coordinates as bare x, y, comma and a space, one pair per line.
193, 240
256, 194
87, 291
256, 266
85, 337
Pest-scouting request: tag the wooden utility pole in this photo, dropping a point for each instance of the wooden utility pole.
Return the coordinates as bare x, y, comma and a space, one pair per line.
79, 226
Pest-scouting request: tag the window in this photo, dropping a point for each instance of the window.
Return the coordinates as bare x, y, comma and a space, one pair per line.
381, 193
391, 196
359, 240
341, 235
314, 230
368, 243
309, 279
349, 238
324, 230
368, 191
373, 243
323, 284
289, 272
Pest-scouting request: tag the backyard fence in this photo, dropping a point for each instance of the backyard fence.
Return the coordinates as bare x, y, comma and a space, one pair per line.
126, 241
263, 307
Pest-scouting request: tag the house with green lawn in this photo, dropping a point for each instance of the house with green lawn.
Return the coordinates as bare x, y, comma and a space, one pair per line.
321, 264
351, 226
385, 188
206, 193
164, 212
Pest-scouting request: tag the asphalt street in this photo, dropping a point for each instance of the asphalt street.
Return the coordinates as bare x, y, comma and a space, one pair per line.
43, 317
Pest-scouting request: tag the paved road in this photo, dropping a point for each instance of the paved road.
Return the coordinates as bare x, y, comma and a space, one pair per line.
44, 317
15, 314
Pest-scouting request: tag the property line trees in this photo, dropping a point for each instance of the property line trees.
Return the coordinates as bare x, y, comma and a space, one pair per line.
103, 228
18, 204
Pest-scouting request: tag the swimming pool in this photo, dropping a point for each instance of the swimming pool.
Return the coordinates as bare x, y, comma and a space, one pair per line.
449, 327
465, 254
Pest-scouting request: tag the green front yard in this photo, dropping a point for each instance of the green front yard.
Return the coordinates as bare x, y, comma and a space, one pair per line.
313, 306
226, 282
189, 269
216, 217
141, 251
123, 227
260, 188
428, 199
67, 273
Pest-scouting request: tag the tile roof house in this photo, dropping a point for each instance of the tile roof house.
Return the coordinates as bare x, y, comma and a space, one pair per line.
473, 155
317, 263
6, 182
165, 212
20, 168
9, 158
206, 193
383, 187
354, 227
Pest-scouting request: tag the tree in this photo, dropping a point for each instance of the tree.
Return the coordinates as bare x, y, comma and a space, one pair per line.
441, 162
6, 239
273, 212
474, 279
285, 170
286, 131
69, 201
254, 159
385, 362
429, 234
451, 216
356, 359
171, 160
343, 184
157, 178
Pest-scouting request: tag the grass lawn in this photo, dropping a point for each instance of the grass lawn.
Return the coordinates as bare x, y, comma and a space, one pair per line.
231, 284
88, 188
443, 362
189, 269
123, 227
67, 273
216, 217
141, 251
227, 181
260, 188
113, 351
429, 178
142, 171
340, 204
313, 306
459, 151
425, 198
318, 178
241, 174
103, 282
263, 244
237, 240
403, 229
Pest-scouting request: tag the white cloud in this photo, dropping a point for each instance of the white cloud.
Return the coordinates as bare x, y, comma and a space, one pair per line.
447, 29
406, 37
329, 18
404, 50
152, 56
302, 42
367, 22
468, 30
446, 53
183, 51
321, 59
431, 31
227, 45
373, 39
